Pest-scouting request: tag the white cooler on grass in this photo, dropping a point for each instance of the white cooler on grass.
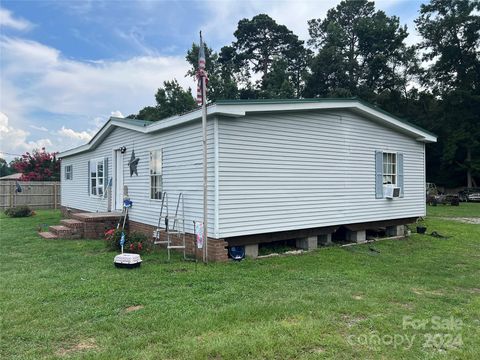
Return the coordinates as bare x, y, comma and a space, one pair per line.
127, 260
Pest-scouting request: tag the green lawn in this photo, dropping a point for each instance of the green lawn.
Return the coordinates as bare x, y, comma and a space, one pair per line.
464, 210
65, 299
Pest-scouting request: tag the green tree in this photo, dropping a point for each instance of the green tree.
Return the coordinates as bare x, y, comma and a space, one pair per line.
451, 30
261, 40
451, 41
298, 59
5, 169
277, 83
171, 100
221, 81
260, 44
361, 51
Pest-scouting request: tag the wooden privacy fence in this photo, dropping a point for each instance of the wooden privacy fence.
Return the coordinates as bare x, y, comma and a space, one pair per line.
36, 194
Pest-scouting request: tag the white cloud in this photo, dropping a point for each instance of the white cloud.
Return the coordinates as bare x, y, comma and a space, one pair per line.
80, 95
36, 78
117, 113
293, 14
77, 135
14, 140
8, 20
65, 86
39, 128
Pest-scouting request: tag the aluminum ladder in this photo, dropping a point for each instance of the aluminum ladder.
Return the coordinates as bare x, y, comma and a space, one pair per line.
175, 231
157, 232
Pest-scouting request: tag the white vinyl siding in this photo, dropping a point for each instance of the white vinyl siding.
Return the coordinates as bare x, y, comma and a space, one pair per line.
156, 174
287, 171
267, 172
181, 172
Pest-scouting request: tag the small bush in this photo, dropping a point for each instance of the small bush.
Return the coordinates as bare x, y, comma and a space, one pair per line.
19, 211
135, 242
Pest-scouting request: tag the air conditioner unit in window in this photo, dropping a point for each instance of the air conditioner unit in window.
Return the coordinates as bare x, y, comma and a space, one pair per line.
391, 191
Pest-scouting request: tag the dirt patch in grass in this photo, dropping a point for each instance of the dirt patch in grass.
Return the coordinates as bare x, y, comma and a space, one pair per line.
408, 306
317, 350
84, 345
420, 291
133, 308
352, 320
468, 290
465, 220
357, 296
291, 320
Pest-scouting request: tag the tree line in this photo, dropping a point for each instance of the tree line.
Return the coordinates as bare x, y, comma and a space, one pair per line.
359, 51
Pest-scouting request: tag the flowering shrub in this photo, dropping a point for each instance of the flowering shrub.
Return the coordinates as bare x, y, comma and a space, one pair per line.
38, 166
135, 242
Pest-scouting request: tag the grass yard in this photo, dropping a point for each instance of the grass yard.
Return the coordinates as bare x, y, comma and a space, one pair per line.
65, 299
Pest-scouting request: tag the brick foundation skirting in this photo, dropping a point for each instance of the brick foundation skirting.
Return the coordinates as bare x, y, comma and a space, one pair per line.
217, 248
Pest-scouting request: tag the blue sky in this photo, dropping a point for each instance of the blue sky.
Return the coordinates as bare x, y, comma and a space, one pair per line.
66, 66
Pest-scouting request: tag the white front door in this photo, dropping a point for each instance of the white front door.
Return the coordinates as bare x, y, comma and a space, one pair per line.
118, 180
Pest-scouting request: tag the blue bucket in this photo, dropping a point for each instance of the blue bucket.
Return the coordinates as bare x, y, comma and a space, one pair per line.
236, 252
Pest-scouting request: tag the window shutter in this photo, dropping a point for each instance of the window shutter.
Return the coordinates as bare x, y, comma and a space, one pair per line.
71, 172
400, 181
88, 177
105, 176
378, 174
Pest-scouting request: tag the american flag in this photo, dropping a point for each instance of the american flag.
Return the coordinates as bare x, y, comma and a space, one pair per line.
201, 73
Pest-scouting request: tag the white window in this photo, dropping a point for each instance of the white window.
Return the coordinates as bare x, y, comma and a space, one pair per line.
156, 184
389, 168
68, 172
97, 177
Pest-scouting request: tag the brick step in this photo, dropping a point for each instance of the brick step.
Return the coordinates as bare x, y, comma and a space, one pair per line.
60, 229
47, 235
64, 232
72, 223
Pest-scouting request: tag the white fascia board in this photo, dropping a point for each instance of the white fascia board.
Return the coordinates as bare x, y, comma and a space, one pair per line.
128, 126
235, 109
101, 134
73, 151
178, 120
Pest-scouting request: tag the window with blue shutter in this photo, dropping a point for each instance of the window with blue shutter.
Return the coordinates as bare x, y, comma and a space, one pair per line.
88, 183
400, 181
105, 185
378, 174
388, 171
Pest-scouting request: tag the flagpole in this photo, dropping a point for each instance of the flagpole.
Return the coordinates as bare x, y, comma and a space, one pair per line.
205, 165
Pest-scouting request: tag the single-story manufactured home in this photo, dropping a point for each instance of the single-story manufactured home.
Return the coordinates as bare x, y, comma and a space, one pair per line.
277, 169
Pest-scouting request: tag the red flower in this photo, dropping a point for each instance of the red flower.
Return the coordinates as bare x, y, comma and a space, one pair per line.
139, 246
131, 246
